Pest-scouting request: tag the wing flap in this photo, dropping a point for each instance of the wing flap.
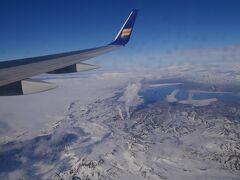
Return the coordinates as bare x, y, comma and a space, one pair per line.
80, 67
24, 87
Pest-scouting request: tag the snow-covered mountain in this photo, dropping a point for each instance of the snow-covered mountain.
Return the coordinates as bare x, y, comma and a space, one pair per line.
107, 128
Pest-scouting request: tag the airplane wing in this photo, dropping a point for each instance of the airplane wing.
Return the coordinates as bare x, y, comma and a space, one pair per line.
14, 74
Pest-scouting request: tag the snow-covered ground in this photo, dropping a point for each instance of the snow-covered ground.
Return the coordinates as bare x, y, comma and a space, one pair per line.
90, 127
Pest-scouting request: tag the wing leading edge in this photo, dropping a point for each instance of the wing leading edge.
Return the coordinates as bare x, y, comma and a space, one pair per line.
21, 69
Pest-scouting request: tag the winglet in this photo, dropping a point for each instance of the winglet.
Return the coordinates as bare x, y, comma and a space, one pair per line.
125, 32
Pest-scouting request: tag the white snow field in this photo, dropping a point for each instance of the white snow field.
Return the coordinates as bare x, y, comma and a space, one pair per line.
98, 126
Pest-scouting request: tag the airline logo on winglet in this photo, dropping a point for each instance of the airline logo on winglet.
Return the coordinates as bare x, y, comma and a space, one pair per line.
126, 32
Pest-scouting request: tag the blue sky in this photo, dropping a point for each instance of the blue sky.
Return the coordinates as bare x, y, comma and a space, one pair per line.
32, 28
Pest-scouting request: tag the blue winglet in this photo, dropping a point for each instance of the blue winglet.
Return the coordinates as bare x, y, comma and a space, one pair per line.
125, 32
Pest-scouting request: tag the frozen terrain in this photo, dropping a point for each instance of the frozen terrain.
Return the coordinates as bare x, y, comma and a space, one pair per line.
178, 122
